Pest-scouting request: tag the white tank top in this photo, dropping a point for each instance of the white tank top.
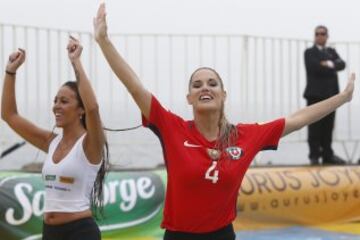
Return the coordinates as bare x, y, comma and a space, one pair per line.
68, 184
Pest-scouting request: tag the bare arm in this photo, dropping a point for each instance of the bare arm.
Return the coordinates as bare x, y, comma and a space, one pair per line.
119, 66
38, 137
319, 110
95, 138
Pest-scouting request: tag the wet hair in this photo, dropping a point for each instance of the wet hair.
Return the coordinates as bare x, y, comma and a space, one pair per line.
97, 199
228, 132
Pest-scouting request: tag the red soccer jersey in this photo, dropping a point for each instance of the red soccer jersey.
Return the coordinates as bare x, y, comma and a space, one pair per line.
196, 203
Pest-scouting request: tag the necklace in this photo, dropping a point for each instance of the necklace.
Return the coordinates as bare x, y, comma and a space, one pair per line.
214, 154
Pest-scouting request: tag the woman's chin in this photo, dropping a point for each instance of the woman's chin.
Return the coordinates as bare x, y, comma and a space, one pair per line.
58, 125
206, 108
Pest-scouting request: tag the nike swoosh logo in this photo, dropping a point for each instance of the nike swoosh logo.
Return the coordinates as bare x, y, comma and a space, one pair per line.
187, 144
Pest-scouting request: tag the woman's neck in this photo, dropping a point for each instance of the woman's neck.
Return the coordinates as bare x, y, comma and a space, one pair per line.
73, 132
207, 125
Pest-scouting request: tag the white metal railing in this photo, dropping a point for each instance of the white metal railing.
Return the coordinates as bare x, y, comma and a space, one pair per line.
264, 77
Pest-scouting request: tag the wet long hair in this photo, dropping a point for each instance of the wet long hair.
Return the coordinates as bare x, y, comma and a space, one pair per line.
96, 198
228, 132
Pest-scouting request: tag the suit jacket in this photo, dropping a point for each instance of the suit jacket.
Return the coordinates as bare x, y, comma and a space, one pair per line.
321, 81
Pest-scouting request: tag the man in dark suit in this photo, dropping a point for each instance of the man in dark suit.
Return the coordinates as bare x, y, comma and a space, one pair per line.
322, 64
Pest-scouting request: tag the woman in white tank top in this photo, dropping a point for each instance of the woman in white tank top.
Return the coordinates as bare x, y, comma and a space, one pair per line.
74, 170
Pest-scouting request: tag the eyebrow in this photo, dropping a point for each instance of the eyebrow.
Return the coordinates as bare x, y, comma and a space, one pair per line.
196, 81
209, 79
61, 97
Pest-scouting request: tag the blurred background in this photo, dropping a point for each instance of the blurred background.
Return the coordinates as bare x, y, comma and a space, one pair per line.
257, 47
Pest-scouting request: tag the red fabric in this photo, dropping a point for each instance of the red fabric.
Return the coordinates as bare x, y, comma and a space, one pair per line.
195, 204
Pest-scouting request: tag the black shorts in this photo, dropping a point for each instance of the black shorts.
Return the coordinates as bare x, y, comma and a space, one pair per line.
81, 229
225, 233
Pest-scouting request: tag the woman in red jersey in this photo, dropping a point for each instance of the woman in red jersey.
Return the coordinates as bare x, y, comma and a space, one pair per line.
74, 169
205, 158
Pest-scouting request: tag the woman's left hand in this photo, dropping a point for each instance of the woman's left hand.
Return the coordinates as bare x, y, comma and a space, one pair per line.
349, 89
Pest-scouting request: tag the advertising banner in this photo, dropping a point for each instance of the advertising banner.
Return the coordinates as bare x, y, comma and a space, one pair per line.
269, 197
133, 205
299, 195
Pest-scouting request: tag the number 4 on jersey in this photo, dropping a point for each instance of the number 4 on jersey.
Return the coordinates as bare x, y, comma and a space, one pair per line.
215, 177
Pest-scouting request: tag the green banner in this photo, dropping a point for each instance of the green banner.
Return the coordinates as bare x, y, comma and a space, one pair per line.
133, 205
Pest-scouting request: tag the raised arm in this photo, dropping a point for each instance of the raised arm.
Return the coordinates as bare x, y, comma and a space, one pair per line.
119, 66
38, 137
95, 139
319, 110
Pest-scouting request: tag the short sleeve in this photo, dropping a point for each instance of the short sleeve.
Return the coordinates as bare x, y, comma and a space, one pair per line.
159, 116
269, 134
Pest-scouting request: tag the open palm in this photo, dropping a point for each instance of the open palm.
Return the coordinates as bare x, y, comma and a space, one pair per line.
100, 26
349, 89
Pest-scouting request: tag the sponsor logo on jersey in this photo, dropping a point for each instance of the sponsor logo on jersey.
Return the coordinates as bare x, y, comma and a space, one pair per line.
262, 123
234, 152
50, 177
187, 144
67, 180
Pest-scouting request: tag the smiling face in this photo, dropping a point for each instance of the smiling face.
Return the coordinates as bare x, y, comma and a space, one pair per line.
206, 92
66, 108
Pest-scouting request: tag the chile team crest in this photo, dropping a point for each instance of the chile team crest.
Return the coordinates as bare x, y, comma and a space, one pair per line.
234, 152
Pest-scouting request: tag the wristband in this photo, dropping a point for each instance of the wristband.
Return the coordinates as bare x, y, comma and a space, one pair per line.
10, 73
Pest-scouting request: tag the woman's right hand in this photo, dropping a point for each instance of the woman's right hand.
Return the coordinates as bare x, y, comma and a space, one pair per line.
100, 26
74, 49
16, 59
